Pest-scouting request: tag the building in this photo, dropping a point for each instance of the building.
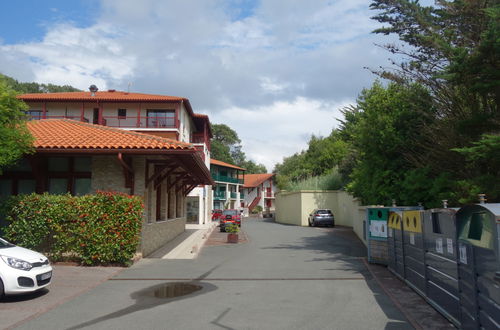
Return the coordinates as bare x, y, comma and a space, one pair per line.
259, 189
159, 115
81, 158
228, 180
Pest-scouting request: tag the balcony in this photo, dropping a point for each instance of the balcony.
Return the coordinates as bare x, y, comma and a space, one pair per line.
117, 121
39, 116
233, 195
140, 122
220, 195
268, 194
225, 178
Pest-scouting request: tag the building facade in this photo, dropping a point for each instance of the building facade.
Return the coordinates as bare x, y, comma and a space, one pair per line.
81, 158
228, 180
158, 115
259, 190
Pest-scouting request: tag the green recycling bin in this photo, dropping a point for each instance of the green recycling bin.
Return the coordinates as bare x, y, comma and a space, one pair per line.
479, 266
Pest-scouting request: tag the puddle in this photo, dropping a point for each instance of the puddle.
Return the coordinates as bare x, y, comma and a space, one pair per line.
173, 290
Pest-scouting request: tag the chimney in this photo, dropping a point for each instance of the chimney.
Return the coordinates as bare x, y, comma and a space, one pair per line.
93, 89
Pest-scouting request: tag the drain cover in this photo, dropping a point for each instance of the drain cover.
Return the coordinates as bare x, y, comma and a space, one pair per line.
172, 290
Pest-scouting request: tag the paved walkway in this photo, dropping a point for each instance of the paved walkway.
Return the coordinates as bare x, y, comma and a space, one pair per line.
277, 277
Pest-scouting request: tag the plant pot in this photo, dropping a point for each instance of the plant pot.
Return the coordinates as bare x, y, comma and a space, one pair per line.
232, 238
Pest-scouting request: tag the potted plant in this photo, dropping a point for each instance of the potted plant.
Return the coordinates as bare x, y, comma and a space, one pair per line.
232, 229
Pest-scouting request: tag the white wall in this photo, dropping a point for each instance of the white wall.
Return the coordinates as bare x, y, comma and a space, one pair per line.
294, 208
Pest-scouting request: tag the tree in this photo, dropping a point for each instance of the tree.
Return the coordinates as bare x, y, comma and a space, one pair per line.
387, 132
33, 87
16, 140
453, 50
226, 147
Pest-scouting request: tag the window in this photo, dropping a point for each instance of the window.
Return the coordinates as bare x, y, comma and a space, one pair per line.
26, 186
81, 186
58, 186
122, 113
34, 114
69, 174
161, 118
5, 187
58, 164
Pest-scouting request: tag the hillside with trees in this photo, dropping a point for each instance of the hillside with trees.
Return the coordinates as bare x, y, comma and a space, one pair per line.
430, 130
33, 87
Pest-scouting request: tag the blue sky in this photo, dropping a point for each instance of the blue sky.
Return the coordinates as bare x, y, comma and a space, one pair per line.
28, 20
275, 71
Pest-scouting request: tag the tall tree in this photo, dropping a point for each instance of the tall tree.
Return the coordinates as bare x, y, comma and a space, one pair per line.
226, 147
16, 139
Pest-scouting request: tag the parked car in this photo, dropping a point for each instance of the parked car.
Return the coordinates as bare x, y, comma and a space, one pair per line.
321, 217
22, 270
216, 214
230, 216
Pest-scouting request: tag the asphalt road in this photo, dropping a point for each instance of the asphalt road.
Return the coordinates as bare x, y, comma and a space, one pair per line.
281, 277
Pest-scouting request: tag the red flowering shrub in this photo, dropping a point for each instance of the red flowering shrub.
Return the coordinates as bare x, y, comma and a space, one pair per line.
92, 229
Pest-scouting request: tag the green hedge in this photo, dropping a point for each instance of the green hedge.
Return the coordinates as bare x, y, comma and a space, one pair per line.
93, 229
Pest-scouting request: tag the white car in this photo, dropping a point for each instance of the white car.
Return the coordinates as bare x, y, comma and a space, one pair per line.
22, 270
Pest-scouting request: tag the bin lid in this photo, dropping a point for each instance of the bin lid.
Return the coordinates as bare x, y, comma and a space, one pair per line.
477, 224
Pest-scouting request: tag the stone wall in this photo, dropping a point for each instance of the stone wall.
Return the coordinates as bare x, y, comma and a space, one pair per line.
107, 174
155, 235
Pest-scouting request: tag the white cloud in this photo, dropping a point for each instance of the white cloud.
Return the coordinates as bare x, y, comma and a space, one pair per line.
280, 129
277, 67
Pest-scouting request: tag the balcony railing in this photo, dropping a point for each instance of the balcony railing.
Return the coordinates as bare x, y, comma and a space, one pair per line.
38, 117
219, 195
225, 178
140, 122
120, 121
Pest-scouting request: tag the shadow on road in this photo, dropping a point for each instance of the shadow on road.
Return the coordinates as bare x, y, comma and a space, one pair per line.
146, 299
342, 244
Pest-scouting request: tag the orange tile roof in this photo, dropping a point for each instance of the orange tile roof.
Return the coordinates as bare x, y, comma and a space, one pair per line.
71, 135
220, 163
253, 180
99, 96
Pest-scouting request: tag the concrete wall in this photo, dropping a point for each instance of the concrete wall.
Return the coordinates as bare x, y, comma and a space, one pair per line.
294, 208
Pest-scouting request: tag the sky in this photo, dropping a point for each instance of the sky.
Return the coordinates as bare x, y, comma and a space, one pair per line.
275, 71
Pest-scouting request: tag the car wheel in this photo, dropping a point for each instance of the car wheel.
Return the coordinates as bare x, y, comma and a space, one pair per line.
314, 223
309, 222
1, 290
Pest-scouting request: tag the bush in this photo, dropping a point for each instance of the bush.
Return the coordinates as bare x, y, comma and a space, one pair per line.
257, 209
92, 229
232, 228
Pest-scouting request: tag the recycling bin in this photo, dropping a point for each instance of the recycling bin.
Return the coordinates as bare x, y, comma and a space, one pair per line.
440, 259
378, 243
479, 266
377, 234
395, 243
413, 247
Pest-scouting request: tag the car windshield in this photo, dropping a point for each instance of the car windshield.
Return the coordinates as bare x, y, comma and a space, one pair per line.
5, 244
324, 212
230, 212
